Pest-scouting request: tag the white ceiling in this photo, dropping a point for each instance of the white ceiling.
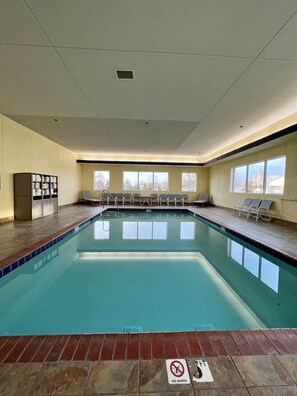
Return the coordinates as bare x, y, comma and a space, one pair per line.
207, 73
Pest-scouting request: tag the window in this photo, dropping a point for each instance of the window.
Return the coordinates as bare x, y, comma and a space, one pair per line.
239, 179
189, 182
256, 178
101, 180
275, 176
130, 181
145, 181
265, 177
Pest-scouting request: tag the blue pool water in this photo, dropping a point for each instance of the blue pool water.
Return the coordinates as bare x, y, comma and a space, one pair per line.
148, 272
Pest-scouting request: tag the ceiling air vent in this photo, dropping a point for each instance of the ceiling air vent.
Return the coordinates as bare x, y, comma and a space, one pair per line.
125, 74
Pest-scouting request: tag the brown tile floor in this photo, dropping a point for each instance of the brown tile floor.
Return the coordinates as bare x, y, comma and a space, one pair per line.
269, 368
234, 376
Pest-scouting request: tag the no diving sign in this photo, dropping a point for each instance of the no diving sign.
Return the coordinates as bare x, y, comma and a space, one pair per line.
177, 371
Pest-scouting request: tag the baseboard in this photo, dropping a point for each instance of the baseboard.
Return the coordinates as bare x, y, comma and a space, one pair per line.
6, 219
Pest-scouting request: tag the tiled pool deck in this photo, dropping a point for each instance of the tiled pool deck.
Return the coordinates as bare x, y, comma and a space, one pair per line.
258, 362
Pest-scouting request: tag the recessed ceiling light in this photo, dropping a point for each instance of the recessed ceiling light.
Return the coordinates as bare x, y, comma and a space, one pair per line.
125, 74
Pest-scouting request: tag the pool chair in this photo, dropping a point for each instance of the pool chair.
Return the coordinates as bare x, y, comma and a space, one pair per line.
87, 198
178, 199
120, 199
127, 199
253, 206
105, 198
262, 212
202, 199
163, 199
113, 199
185, 199
171, 199
136, 199
154, 199
245, 204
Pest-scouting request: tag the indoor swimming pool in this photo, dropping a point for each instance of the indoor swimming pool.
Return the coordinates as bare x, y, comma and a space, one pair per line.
148, 271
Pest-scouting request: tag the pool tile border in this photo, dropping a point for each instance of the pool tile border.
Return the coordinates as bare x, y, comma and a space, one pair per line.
147, 346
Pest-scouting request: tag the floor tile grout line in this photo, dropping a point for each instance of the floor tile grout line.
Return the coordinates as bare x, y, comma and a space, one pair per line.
12, 349
236, 368
246, 335
285, 335
88, 377
61, 353
38, 349
5, 356
25, 349
187, 342
34, 380
280, 362
276, 349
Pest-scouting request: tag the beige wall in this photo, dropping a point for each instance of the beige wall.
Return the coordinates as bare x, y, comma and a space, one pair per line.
284, 207
22, 150
116, 177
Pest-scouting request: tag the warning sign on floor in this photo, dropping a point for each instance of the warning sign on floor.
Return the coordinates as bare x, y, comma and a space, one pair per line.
177, 371
202, 371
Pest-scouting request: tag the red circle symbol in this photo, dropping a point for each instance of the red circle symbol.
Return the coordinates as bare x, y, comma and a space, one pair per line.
177, 368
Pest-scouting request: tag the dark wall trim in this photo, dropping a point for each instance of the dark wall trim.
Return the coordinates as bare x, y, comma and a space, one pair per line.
162, 163
256, 143
266, 139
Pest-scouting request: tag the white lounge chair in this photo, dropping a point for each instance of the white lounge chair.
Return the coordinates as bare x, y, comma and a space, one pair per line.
255, 204
245, 204
87, 197
202, 199
262, 212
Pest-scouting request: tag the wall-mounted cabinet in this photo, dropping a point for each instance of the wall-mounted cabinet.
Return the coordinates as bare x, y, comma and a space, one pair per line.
35, 195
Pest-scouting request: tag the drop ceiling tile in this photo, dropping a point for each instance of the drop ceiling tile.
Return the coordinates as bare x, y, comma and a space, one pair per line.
266, 93
229, 27
71, 133
153, 133
268, 87
34, 81
18, 25
283, 46
166, 86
